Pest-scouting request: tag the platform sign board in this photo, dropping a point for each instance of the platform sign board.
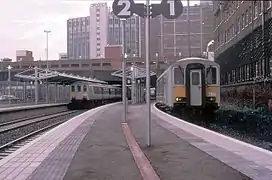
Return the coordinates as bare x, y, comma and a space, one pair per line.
123, 9
170, 9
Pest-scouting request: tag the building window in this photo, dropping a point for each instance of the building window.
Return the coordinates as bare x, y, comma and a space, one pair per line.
246, 18
95, 64
243, 21
74, 65
238, 25
85, 65
106, 64
255, 9
260, 7
249, 14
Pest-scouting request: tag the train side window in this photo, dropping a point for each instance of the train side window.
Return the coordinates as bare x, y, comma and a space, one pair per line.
96, 90
195, 78
73, 88
78, 88
212, 75
84, 88
178, 75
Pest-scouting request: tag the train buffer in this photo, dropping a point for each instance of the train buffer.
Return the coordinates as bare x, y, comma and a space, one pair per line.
99, 145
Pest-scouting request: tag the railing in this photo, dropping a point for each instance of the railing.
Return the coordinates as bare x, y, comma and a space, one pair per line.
14, 92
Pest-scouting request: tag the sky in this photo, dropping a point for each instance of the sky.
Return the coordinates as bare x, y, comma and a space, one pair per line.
22, 25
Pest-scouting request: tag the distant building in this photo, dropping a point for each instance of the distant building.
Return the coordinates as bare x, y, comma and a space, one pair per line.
78, 44
24, 55
98, 29
115, 54
169, 38
63, 56
115, 33
5, 59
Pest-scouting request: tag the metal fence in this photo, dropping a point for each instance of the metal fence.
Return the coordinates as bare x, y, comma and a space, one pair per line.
15, 92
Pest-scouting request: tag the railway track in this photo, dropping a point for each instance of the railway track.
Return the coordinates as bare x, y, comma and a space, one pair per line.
18, 133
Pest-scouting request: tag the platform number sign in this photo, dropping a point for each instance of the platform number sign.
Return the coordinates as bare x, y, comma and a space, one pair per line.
170, 9
123, 9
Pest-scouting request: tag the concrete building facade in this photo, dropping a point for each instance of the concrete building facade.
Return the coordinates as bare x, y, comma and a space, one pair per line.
169, 38
78, 43
98, 29
115, 33
24, 55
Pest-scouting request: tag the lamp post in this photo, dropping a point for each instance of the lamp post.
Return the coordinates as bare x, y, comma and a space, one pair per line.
201, 31
133, 83
179, 55
9, 80
157, 64
47, 65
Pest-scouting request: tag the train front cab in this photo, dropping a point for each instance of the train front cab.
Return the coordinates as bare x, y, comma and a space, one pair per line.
202, 86
197, 88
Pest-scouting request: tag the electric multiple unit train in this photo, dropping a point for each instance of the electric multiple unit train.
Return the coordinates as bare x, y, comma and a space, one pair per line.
192, 83
86, 95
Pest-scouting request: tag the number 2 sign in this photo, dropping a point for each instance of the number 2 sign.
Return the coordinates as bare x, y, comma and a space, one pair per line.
123, 8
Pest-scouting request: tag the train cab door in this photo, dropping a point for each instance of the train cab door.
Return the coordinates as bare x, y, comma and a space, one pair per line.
196, 87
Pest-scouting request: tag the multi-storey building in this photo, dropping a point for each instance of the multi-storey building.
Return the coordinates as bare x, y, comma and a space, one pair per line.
98, 29
24, 55
115, 33
242, 39
78, 38
169, 38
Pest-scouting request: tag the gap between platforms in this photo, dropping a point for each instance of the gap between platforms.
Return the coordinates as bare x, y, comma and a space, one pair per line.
144, 165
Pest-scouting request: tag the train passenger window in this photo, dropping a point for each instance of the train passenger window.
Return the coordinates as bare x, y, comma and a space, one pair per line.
73, 88
178, 76
96, 90
211, 76
84, 88
195, 78
78, 88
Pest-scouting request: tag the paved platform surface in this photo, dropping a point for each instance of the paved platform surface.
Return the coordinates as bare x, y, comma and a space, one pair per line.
93, 146
174, 158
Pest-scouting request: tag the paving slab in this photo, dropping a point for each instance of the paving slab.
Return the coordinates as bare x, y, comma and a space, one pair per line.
104, 153
174, 158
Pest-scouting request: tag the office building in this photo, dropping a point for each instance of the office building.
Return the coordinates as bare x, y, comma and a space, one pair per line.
78, 43
115, 33
169, 38
98, 29
24, 55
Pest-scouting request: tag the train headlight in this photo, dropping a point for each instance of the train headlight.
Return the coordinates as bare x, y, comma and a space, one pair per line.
212, 98
177, 99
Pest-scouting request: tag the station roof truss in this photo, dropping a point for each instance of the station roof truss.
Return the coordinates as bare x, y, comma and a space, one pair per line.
54, 76
139, 72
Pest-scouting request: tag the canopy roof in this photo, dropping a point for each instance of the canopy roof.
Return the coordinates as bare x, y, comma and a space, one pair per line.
139, 72
54, 76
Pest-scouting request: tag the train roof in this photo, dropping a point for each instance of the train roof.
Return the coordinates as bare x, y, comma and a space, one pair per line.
189, 59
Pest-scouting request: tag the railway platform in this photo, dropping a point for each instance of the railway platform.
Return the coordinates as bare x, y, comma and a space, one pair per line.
99, 145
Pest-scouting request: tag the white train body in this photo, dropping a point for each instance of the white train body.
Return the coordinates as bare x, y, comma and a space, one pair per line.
92, 94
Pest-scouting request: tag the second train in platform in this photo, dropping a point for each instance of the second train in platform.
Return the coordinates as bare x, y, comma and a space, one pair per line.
190, 83
85, 95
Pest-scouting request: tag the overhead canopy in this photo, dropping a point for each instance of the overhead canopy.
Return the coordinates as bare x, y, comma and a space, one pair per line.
139, 72
54, 76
